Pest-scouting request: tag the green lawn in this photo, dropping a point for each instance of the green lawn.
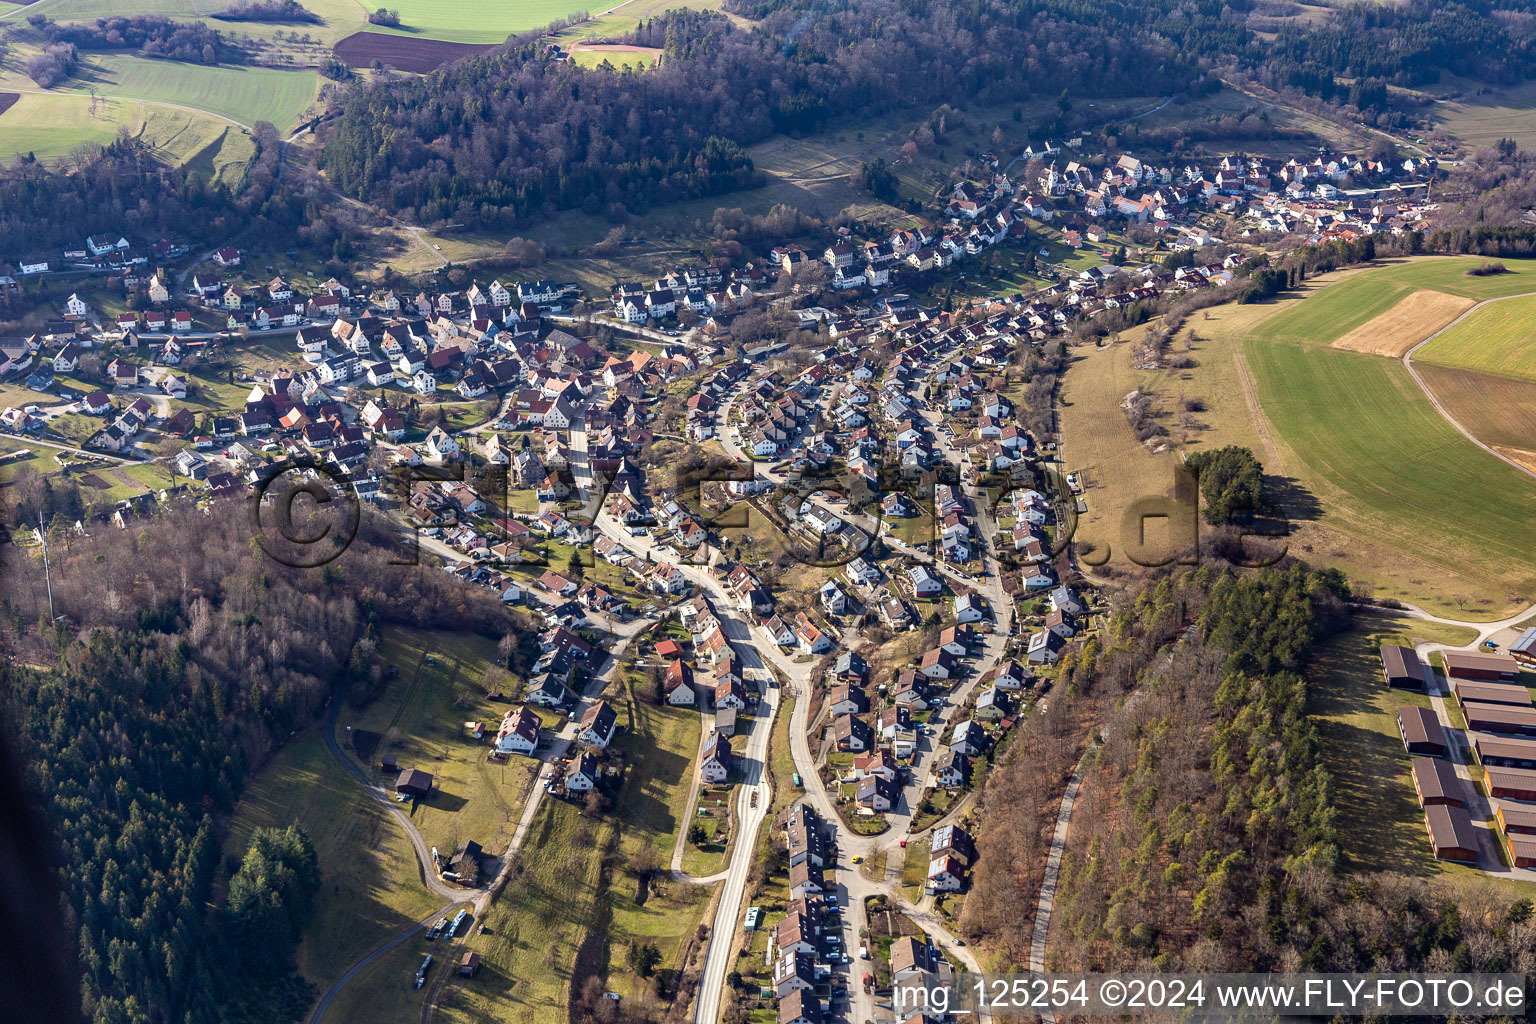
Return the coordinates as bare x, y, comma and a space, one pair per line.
372, 886
914, 868
559, 898
531, 933
1386, 465
1340, 308
475, 21
243, 94
420, 716
50, 126
1498, 338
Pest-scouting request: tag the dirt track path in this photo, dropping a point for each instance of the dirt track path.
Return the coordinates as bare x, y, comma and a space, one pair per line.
1255, 410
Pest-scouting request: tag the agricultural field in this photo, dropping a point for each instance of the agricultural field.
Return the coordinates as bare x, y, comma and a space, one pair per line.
1385, 465
50, 126
337, 17
1483, 120
1499, 411
1361, 296
403, 53
1397, 330
241, 94
1499, 337
475, 21
623, 18
1357, 519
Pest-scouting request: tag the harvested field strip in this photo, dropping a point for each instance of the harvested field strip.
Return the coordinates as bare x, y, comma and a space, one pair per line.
1525, 458
1406, 324
1499, 411
361, 49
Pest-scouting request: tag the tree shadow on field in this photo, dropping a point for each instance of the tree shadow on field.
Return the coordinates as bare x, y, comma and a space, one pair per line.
1291, 498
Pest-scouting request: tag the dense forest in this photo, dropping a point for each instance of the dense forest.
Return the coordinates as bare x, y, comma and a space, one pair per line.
151, 35
124, 188
184, 657
502, 138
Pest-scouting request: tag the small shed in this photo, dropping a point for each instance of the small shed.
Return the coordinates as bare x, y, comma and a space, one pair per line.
469, 964
415, 783
387, 763
466, 862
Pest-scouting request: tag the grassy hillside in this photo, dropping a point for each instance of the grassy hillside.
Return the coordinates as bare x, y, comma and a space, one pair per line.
49, 126
1372, 479
1386, 465
373, 886
1497, 338
242, 94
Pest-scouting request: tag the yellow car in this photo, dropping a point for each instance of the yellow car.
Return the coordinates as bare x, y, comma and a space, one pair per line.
858, 858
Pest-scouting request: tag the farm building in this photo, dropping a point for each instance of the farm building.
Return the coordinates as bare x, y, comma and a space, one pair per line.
466, 862
1435, 782
1522, 850
469, 964
1450, 832
1491, 693
1499, 718
1523, 650
1421, 732
1498, 752
1478, 665
1402, 668
1516, 820
1511, 784
415, 783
